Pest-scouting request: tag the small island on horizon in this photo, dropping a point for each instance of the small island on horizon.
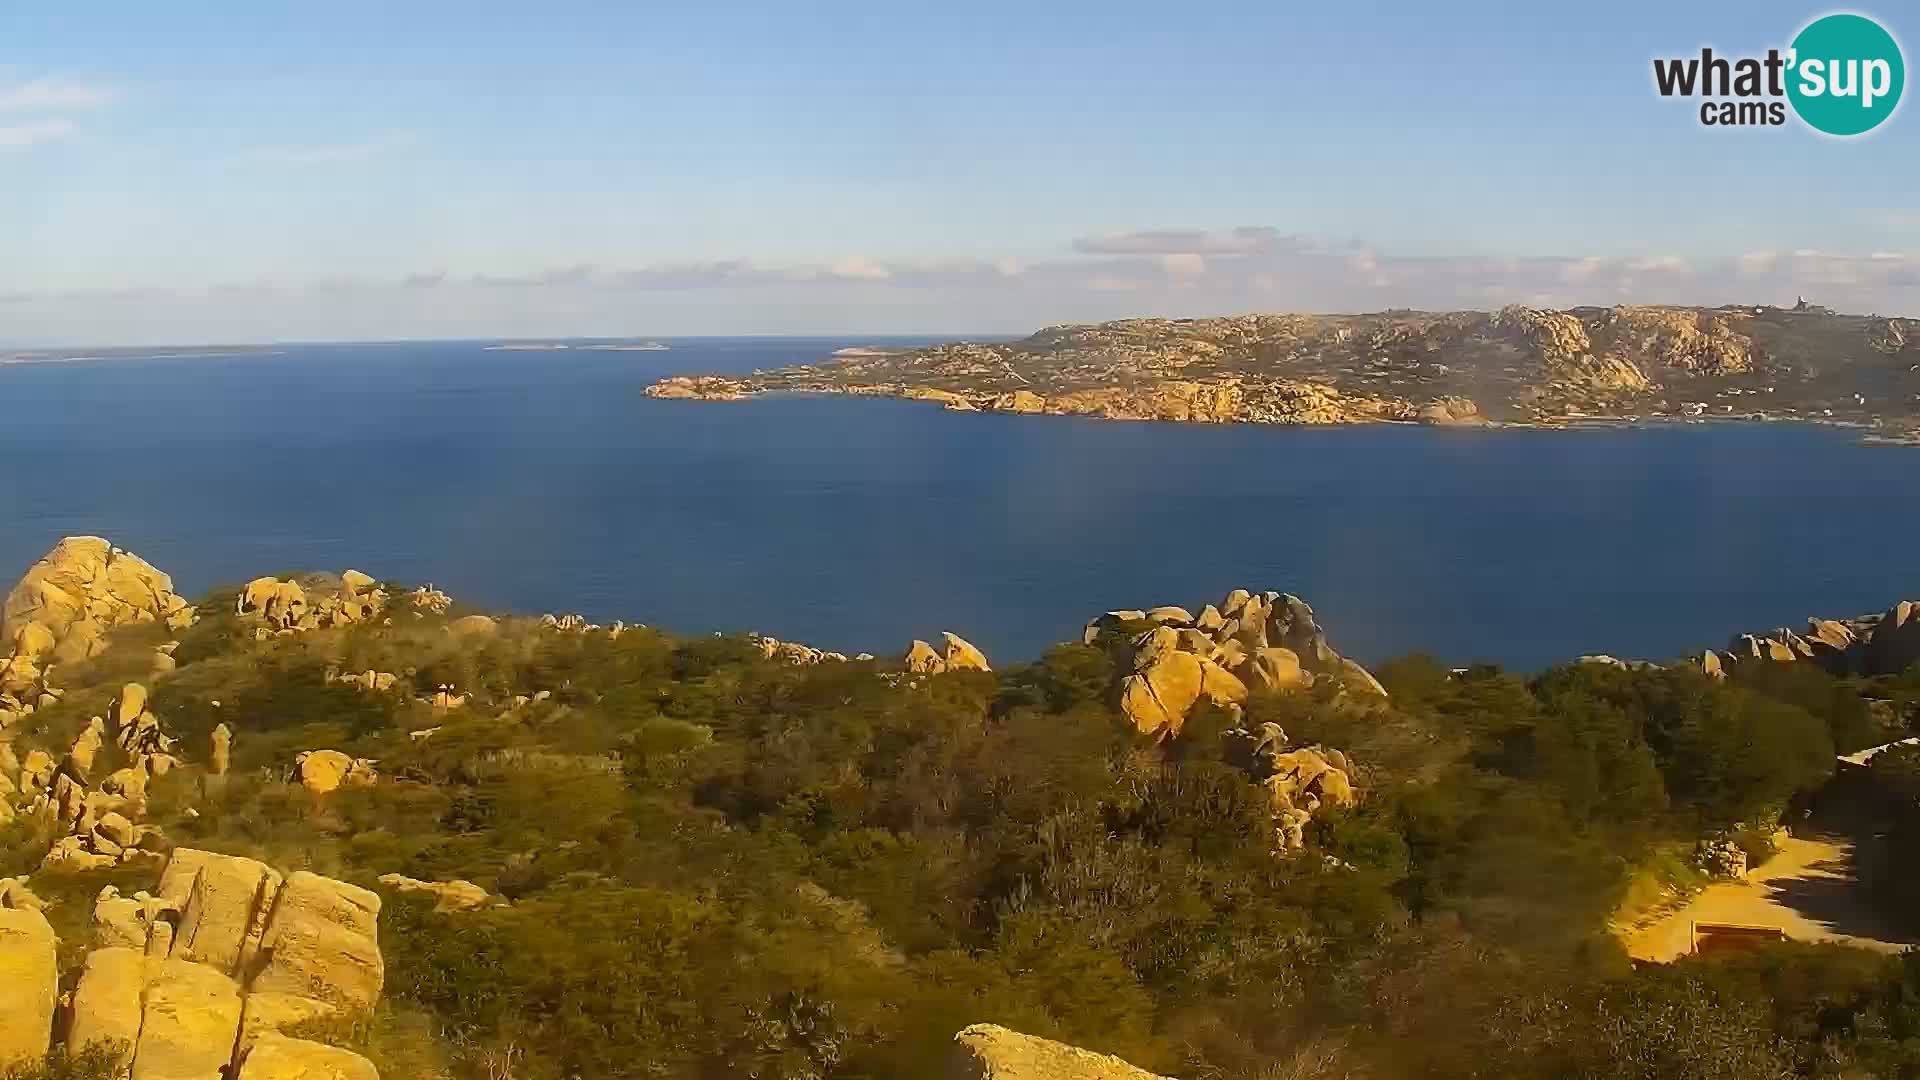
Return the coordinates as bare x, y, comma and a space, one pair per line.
1515, 366
562, 346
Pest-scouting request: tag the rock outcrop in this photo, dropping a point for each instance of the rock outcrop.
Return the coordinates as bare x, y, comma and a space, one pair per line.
456, 895
793, 652
427, 600
1298, 780
1170, 659
991, 1052
62, 610
1883, 643
312, 602
198, 980
959, 655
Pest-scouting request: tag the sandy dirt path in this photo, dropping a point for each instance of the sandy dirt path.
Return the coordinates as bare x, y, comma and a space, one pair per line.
1809, 890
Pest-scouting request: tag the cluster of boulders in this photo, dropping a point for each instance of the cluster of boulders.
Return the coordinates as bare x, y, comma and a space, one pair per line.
369, 679
445, 696
578, 624
200, 977
1171, 659
921, 658
1299, 780
992, 1052
62, 609
98, 819
289, 606
428, 600
959, 655
793, 652
1884, 643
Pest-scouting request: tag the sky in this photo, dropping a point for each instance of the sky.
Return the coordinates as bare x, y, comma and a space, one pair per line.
220, 172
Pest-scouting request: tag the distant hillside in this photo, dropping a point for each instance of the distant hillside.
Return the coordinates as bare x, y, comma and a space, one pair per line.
1516, 365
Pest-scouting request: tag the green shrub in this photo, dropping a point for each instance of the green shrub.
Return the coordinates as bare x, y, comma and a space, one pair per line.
97, 1061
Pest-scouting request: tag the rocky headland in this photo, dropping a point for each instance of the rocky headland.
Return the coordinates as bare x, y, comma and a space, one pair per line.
1517, 365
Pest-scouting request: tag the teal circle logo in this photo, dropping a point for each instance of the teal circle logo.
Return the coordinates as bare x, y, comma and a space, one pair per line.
1845, 74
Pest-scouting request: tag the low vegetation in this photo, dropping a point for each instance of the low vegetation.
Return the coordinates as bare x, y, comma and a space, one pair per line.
716, 865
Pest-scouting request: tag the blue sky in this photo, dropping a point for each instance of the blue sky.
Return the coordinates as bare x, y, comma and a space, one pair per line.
207, 172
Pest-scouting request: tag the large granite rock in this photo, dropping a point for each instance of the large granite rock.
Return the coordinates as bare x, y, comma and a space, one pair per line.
325, 771
107, 1002
1276, 669
266, 1012
276, 1057
222, 900
456, 895
189, 1019
29, 985
1157, 695
321, 943
991, 1052
962, 656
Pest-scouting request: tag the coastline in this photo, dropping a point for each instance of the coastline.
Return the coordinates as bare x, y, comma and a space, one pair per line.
1872, 434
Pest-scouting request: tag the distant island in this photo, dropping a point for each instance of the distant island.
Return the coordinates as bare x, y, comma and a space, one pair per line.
561, 346
1515, 366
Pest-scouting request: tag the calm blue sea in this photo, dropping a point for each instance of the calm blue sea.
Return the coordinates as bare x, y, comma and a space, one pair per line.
548, 482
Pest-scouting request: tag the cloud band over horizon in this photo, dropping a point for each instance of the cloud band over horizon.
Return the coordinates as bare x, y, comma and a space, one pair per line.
1166, 272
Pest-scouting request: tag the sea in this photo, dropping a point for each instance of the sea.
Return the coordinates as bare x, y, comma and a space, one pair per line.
546, 481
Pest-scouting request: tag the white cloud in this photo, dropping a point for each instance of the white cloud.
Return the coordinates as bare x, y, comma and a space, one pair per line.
1244, 240
21, 136
978, 293
1659, 264
53, 95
